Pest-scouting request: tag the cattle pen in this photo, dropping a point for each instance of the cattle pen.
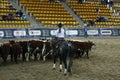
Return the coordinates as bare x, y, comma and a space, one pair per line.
103, 64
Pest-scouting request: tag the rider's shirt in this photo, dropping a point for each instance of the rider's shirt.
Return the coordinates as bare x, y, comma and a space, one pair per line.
60, 34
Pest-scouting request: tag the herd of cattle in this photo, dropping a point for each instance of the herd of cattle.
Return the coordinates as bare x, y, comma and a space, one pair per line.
38, 49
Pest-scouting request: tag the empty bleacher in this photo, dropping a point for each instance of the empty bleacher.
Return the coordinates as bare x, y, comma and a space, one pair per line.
49, 13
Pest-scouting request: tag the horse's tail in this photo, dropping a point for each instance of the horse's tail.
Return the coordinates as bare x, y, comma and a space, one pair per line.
70, 50
69, 58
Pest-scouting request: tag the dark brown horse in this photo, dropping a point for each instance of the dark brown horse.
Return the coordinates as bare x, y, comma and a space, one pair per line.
64, 51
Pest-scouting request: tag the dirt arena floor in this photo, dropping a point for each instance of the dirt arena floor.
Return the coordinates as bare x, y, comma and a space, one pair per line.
104, 64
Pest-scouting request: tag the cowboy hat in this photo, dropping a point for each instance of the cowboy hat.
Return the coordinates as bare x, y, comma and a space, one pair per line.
60, 25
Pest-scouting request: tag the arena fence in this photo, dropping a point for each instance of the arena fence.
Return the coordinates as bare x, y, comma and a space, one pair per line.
49, 32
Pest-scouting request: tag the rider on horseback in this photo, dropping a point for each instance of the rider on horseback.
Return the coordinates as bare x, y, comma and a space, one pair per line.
62, 49
60, 34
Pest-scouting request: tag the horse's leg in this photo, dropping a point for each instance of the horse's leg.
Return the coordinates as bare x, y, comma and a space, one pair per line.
60, 63
65, 64
69, 65
54, 60
69, 60
61, 58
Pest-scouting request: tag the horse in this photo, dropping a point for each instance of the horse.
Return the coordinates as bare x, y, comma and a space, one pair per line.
64, 51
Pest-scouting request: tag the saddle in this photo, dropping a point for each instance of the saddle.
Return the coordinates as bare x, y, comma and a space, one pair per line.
59, 41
